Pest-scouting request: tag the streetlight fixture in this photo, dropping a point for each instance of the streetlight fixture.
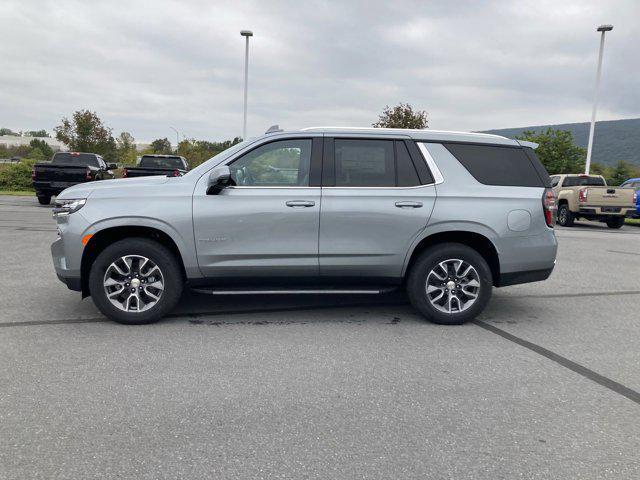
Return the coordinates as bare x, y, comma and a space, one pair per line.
603, 29
246, 34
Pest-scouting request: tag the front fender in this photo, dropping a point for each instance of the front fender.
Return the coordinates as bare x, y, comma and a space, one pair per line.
184, 243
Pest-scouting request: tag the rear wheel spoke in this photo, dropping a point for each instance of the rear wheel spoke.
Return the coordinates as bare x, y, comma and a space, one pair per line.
452, 286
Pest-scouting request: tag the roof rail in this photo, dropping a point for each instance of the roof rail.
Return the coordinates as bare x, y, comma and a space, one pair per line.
524, 143
274, 129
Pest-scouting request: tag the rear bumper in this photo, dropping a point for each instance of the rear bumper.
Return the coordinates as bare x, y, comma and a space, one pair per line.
515, 278
50, 188
607, 211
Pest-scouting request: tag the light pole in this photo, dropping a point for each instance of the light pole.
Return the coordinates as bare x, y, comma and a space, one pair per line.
177, 138
603, 29
246, 34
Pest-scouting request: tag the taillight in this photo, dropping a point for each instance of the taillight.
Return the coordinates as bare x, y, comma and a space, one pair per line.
87, 174
549, 206
33, 173
582, 195
176, 173
125, 173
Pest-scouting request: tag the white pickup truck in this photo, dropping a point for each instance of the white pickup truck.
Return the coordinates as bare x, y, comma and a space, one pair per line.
589, 197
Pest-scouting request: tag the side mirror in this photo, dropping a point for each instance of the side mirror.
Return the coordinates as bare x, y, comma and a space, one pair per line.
219, 178
112, 166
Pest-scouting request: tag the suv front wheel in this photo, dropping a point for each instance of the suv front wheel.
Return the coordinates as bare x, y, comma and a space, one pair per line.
449, 284
135, 281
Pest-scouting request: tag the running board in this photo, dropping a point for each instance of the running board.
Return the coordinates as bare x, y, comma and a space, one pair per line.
308, 291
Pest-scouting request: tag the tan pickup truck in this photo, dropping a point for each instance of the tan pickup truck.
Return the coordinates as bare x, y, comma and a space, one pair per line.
589, 197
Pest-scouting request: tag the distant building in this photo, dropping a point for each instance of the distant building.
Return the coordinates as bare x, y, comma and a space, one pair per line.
16, 141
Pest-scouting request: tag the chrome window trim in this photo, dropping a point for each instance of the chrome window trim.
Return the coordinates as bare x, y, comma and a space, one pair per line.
435, 171
382, 188
240, 187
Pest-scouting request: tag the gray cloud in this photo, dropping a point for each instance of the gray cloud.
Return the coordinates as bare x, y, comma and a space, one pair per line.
145, 66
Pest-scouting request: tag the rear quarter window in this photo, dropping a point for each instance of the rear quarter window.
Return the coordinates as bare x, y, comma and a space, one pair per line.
503, 166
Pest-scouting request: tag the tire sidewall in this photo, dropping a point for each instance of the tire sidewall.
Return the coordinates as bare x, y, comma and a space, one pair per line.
157, 253
416, 282
568, 215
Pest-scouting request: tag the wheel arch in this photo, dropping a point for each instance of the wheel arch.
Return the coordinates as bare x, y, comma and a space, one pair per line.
480, 242
105, 237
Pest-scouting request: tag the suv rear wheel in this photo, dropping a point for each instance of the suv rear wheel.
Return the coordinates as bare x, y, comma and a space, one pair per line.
449, 284
135, 281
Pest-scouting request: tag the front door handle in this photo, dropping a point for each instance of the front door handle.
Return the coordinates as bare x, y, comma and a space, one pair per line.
300, 203
409, 204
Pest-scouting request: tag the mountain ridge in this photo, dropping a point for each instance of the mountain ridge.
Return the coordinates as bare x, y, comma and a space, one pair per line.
614, 140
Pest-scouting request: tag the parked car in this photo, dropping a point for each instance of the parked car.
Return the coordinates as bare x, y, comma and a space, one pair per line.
589, 197
167, 165
67, 169
635, 184
446, 216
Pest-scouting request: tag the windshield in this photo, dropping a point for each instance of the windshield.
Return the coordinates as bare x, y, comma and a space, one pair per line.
75, 158
583, 181
161, 162
216, 159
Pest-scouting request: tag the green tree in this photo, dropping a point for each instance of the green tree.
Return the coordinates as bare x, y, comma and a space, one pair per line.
126, 149
556, 151
36, 133
197, 151
161, 146
620, 173
85, 132
45, 149
402, 116
7, 131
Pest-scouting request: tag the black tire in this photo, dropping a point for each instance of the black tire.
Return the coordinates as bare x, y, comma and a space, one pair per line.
417, 282
157, 253
565, 216
44, 199
615, 222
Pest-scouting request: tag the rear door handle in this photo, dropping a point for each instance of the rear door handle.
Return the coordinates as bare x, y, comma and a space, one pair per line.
300, 203
409, 204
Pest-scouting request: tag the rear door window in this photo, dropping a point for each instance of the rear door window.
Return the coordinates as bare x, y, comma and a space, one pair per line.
498, 165
364, 163
406, 171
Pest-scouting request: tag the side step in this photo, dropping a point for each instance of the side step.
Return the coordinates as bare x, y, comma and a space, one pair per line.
302, 291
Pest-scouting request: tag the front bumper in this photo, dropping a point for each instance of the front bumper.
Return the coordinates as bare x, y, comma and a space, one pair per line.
69, 276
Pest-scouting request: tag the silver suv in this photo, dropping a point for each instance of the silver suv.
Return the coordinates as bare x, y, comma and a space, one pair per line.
445, 215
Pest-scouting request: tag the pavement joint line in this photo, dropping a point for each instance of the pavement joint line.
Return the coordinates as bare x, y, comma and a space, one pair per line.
296, 309
587, 373
626, 253
571, 295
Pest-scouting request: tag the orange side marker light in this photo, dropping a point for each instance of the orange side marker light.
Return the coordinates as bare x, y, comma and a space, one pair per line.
86, 238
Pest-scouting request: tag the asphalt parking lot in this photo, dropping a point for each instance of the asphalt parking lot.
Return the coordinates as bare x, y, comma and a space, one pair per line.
544, 385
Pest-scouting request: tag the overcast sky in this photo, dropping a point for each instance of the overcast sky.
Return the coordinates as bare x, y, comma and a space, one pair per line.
144, 66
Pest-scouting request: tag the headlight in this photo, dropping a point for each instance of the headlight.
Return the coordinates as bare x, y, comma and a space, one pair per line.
66, 207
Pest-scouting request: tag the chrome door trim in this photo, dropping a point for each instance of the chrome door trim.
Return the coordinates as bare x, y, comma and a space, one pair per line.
435, 171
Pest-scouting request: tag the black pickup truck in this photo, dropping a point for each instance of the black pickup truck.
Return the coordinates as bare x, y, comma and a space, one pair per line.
170, 165
67, 169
